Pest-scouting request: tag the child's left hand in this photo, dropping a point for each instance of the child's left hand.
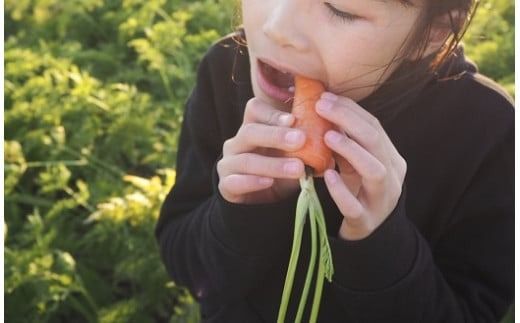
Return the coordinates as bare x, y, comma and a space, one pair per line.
371, 170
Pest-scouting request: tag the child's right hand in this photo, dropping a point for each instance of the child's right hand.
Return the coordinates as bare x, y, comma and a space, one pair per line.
250, 171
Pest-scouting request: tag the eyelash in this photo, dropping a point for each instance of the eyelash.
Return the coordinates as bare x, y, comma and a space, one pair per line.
344, 16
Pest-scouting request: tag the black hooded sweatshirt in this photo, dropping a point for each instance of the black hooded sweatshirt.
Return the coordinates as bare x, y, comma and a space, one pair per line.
444, 254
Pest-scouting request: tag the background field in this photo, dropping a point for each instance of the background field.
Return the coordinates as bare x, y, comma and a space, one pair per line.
94, 93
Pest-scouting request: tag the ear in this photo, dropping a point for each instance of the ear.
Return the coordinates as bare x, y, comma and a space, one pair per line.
442, 27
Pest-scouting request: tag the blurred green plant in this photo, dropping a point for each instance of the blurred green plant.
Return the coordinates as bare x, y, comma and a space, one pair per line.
490, 41
94, 96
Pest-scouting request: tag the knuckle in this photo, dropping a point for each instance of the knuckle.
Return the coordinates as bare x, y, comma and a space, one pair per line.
379, 174
372, 137
354, 216
247, 163
226, 166
290, 167
222, 185
273, 117
252, 108
281, 167
351, 209
403, 168
220, 167
357, 211
259, 112
398, 190
371, 225
229, 186
342, 113
374, 122
278, 136
247, 130
226, 147
289, 139
404, 165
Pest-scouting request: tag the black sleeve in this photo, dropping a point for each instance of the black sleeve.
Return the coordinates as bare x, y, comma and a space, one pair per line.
468, 276
217, 249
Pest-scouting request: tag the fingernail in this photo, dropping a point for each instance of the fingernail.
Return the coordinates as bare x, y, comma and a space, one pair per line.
292, 168
285, 119
329, 96
333, 137
265, 181
330, 176
293, 137
324, 105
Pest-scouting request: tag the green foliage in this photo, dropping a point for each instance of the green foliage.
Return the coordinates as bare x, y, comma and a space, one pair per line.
94, 95
490, 41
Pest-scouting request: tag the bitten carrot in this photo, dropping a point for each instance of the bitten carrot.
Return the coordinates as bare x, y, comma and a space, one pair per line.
314, 153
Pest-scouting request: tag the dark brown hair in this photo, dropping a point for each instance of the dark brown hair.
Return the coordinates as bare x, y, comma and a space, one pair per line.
459, 14
450, 19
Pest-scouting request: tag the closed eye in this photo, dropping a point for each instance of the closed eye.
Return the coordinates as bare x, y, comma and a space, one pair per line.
344, 16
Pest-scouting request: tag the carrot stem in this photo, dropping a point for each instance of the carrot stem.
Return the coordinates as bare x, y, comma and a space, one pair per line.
308, 202
326, 256
310, 270
325, 267
301, 210
317, 292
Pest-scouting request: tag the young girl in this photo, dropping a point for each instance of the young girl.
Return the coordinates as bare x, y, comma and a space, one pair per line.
418, 200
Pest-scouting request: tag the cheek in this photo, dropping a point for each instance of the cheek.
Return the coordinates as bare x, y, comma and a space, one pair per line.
359, 59
254, 13
248, 19
357, 72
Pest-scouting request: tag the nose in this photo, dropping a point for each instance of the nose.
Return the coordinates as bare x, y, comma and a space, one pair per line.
281, 26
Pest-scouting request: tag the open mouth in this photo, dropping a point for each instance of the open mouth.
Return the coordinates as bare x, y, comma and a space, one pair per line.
276, 83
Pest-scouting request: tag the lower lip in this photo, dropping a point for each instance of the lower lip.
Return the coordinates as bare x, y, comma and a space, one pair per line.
272, 90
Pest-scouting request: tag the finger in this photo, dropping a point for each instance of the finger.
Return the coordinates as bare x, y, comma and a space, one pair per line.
344, 166
253, 135
373, 173
363, 113
349, 175
258, 111
347, 203
239, 184
363, 128
397, 161
254, 164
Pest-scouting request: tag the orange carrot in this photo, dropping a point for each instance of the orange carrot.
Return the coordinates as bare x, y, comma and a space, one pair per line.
314, 153
317, 155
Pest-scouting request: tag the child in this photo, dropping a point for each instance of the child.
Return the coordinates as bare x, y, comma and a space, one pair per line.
418, 200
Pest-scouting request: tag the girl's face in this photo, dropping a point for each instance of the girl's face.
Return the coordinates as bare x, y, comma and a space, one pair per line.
346, 44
